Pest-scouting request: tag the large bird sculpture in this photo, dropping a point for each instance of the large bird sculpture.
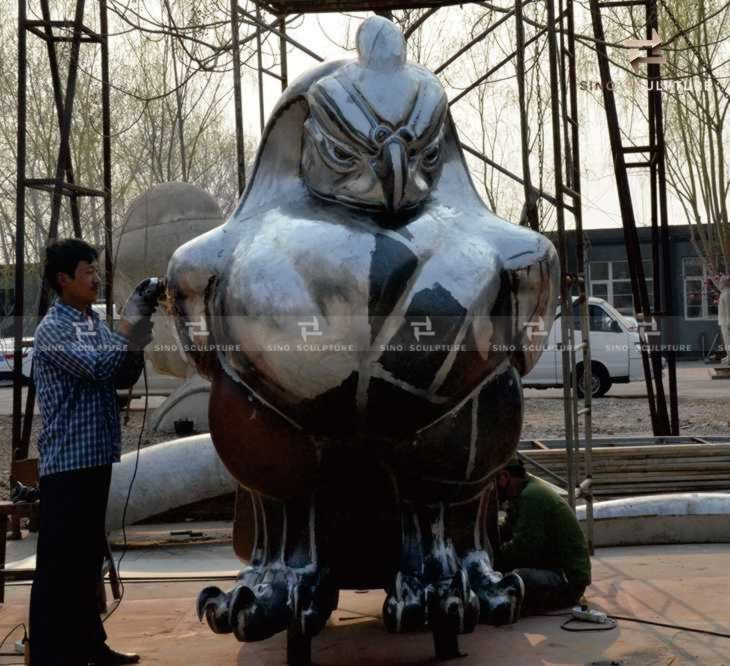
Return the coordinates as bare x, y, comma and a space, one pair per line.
367, 320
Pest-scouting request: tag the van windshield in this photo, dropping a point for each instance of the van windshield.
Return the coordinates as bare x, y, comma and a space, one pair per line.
601, 318
627, 324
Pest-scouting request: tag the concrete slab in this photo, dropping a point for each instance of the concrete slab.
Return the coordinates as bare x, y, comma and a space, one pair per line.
194, 559
684, 585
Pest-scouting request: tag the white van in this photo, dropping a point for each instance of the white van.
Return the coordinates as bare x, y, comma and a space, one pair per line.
7, 360
615, 351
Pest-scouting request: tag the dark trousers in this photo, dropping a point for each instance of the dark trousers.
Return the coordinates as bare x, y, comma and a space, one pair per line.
547, 589
65, 626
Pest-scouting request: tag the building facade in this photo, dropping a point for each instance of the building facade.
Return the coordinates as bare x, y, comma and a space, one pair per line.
694, 303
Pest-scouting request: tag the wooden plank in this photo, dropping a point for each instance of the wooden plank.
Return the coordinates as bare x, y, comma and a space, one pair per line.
616, 467
644, 477
26, 471
640, 470
24, 509
666, 450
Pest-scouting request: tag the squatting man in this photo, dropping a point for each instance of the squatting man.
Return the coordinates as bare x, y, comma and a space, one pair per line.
542, 541
78, 364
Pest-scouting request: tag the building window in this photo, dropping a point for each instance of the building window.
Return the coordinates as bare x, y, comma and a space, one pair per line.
699, 302
611, 281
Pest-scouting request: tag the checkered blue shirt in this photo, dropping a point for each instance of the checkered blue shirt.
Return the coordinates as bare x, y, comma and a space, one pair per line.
75, 356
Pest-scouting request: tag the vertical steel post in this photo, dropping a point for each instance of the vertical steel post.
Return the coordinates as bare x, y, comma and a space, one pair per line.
651, 361
570, 177
19, 306
58, 99
64, 149
283, 54
530, 216
237, 100
260, 68
566, 306
107, 159
658, 160
569, 60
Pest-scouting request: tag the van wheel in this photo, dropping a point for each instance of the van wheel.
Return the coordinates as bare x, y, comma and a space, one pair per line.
600, 381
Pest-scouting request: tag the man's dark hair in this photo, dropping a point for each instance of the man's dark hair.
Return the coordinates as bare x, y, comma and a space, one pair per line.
516, 467
63, 256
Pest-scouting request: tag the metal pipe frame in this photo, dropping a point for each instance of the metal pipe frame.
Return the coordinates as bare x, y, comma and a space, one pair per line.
570, 120
19, 231
659, 185
237, 99
662, 422
566, 312
63, 184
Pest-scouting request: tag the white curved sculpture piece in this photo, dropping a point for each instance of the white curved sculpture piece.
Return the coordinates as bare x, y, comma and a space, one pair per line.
661, 519
169, 475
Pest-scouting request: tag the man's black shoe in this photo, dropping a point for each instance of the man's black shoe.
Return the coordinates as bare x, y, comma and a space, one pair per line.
109, 657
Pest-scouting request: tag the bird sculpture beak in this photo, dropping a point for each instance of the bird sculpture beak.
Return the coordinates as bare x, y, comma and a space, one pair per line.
394, 174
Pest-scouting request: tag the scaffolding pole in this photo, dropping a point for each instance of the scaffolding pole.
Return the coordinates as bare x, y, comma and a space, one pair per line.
649, 326
63, 183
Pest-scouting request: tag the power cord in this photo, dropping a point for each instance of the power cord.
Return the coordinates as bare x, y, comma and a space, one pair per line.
129, 495
670, 626
604, 626
25, 638
616, 618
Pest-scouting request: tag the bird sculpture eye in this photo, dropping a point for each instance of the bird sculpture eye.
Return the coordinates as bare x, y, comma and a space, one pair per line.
337, 155
342, 154
431, 155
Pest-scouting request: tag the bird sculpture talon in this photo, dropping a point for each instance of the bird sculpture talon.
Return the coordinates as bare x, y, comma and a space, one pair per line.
212, 604
268, 601
404, 608
453, 608
500, 600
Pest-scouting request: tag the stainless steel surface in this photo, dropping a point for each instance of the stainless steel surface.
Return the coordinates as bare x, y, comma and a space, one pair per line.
346, 166
366, 320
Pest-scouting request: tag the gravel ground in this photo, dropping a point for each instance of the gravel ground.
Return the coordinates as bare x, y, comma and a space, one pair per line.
612, 416
130, 437
626, 416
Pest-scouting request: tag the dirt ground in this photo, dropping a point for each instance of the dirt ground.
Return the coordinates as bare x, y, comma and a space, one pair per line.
622, 416
130, 438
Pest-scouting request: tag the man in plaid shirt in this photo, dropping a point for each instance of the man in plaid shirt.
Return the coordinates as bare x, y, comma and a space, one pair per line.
78, 363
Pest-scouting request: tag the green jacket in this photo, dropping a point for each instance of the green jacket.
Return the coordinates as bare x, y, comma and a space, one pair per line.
545, 534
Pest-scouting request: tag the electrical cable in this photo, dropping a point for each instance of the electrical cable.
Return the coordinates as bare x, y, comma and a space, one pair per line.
622, 618
603, 626
25, 638
670, 626
129, 494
